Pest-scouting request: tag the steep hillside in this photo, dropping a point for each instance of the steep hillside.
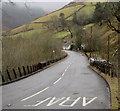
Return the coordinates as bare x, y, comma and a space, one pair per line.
14, 15
68, 10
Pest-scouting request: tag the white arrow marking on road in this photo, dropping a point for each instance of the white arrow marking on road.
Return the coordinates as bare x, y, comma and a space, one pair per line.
35, 94
86, 103
55, 100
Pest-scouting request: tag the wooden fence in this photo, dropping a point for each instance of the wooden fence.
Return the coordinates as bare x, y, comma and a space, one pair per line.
24, 71
106, 68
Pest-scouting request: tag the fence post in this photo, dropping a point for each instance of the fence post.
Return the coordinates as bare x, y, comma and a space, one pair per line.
24, 70
3, 80
14, 73
31, 69
28, 69
9, 75
111, 74
20, 72
36, 67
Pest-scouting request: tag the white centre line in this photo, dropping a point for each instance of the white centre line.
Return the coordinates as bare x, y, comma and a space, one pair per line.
66, 70
63, 74
46, 87
35, 94
57, 80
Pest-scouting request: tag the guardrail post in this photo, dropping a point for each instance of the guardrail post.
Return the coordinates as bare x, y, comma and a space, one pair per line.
20, 72
14, 73
3, 80
24, 70
35, 68
31, 69
9, 75
28, 69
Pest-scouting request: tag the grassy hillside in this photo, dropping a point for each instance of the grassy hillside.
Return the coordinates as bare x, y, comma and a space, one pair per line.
29, 44
67, 10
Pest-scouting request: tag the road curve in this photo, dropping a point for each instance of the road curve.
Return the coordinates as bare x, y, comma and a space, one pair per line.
69, 84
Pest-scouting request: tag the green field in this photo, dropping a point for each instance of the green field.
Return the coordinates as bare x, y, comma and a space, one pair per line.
67, 11
62, 34
89, 10
27, 34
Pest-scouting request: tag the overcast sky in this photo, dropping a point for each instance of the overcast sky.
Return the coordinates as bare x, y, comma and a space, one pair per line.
46, 5
38, 0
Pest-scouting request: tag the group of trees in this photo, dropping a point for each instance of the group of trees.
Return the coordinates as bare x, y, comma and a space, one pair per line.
74, 26
108, 12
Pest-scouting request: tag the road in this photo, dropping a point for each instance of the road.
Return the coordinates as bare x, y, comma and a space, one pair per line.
69, 84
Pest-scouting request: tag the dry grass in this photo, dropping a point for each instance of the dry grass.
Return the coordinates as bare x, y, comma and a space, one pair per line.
23, 51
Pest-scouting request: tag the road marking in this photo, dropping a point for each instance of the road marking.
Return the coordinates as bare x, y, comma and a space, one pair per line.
46, 87
64, 101
40, 102
65, 70
86, 103
57, 80
54, 100
35, 94
63, 74
68, 99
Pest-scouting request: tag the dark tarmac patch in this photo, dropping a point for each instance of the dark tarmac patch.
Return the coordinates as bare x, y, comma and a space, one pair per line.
75, 93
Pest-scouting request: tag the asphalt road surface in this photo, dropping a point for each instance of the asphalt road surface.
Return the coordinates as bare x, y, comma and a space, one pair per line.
69, 84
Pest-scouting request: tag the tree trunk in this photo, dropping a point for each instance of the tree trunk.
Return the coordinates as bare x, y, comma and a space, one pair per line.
70, 32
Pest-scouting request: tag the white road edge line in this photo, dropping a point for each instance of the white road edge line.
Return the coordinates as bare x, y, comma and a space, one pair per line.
35, 94
57, 80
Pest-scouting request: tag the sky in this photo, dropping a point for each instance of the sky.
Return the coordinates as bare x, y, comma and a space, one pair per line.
46, 5
38, 0
67, 1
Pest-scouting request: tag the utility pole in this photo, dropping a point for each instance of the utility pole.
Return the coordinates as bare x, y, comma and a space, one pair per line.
91, 42
108, 58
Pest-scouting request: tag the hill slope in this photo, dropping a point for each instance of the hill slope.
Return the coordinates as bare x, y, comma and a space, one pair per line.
14, 15
68, 10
